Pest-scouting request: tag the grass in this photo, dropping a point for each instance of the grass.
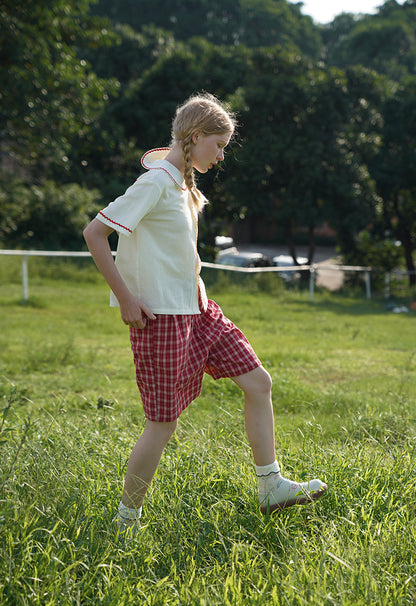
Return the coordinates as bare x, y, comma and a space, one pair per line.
344, 373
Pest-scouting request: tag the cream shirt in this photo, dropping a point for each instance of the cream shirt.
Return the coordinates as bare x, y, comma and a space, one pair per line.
157, 225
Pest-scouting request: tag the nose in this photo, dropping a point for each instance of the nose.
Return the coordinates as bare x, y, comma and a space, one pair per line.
220, 155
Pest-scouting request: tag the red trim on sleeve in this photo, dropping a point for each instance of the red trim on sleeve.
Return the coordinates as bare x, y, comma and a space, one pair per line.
115, 222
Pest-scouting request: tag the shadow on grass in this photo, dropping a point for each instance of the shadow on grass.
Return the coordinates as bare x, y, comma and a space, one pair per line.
32, 303
345, 304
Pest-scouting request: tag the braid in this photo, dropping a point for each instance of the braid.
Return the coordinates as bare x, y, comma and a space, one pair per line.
189, 176
189, 170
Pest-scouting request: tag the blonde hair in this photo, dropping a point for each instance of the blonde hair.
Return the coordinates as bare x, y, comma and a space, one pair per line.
206, 114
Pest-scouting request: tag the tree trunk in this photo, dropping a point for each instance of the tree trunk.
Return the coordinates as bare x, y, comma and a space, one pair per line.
289, 241
407, 247
312, 244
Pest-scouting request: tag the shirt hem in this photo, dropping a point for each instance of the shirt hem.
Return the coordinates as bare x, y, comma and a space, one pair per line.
171, 312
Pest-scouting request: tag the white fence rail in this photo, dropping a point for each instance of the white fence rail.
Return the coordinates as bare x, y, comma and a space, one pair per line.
26, 254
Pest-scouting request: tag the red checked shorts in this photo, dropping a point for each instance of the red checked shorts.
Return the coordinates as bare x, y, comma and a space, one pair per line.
172, 353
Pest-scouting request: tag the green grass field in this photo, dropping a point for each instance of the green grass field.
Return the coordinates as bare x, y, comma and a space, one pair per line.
344, 373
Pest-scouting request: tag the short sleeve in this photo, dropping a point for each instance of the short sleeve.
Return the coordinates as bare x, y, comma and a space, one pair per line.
124, 214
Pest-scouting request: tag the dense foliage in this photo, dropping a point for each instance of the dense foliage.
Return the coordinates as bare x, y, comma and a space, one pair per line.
326, 113
226, 22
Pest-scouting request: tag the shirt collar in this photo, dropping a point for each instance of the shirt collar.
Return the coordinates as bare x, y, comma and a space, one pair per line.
155, 158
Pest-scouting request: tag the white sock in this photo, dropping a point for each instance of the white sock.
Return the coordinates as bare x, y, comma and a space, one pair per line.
127, 513
267, 476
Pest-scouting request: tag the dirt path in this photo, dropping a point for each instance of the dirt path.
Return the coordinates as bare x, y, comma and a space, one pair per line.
329, 278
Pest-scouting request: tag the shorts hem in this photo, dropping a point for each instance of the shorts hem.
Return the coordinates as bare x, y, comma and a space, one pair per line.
229, 375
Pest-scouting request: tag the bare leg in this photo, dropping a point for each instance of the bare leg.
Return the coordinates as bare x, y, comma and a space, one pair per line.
275, 491
258, 412
144, 460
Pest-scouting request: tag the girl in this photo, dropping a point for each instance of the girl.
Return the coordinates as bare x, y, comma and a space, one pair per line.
176, 333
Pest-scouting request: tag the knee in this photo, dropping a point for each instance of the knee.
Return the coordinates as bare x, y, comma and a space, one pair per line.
264, 381
256, 383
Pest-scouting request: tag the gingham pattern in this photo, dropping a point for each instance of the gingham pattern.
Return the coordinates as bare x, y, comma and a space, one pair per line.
172, 353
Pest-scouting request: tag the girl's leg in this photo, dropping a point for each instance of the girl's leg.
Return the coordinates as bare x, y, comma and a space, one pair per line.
275, 491
144, 460
258, 412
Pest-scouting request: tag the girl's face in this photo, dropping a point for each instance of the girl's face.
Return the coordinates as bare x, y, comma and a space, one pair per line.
208, 150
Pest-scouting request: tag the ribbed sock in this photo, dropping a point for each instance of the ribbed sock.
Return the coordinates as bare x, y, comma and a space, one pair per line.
267, 476
126, 513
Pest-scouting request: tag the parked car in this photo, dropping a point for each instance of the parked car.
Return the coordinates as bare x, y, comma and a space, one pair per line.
242, 259
287, 261
223, 242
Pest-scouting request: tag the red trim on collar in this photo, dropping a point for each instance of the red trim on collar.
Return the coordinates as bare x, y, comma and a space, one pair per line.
161, 167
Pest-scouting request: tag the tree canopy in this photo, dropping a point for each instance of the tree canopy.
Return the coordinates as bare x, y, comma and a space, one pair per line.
48, 92
326, 112
225, 22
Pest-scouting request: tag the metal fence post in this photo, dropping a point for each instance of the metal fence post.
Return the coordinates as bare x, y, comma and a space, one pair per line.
367, 284
311, 282
25, 278
387, 285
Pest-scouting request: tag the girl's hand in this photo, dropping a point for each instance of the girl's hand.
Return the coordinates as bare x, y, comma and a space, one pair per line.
135, 313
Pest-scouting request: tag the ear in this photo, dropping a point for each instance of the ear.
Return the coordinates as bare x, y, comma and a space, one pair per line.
195, 136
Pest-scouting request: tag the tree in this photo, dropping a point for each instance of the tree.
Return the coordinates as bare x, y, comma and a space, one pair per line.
268, 104
394, 170
332, 181
335, 33
385, 42
299, 164
146, 106
222, 22
48, 93
49, 216
131, 53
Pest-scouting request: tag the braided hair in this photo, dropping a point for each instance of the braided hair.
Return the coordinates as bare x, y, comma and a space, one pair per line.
204, 113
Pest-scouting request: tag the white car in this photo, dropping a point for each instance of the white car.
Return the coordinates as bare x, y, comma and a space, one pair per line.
287, 261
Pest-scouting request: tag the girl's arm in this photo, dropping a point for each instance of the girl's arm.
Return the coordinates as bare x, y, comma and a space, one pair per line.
133, 312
